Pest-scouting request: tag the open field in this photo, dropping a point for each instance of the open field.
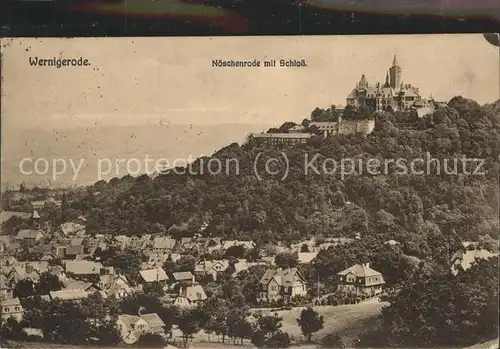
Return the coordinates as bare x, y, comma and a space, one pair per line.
346, 320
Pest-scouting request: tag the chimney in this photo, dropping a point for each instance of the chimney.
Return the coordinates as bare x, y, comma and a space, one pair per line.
193, 279
141, 309
366, 265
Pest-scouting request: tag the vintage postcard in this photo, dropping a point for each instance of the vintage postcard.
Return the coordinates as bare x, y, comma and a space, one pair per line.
251, 192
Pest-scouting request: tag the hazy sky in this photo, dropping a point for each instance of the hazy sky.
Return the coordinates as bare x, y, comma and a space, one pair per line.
171, 80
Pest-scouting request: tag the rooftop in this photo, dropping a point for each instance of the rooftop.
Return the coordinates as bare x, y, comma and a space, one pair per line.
283, 135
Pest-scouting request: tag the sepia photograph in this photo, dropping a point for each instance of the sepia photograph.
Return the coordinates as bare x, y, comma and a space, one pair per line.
250, 192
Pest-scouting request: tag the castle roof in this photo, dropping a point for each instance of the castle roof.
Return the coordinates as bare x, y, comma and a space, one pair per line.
282, 135
360, 270
395, 61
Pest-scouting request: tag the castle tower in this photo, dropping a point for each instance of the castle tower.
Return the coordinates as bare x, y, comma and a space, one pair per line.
387, 84
362, 82
395, 73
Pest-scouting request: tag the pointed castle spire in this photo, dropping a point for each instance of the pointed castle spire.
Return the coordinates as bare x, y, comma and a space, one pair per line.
395, 61
387, 84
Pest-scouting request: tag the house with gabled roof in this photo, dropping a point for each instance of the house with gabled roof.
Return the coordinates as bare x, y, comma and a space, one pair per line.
248, 244
280, 283
69, 295
11, 308
183, 276
242, 265
121, 241
306, 257
131, 327
27, 271
88, 287
8, 261
75, 247
6, 215
29, 236
83, 269
164, 244
211, 268
115, 285
14, 247
209, 244
361, 280
152, 275
190, 296
71, 228
155, 259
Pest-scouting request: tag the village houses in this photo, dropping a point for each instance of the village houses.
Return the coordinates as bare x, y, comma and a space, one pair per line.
131, 327
152, 275
29, 237
211, 268
277, 284
361, 280
11, 308
190, 296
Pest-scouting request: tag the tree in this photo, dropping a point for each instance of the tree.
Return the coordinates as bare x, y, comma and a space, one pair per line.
48, 282
185, 263
24, 288
213, 317
108, 334
11, 329
310, 322
127, 262
154, 288
453, 311
286, 260
238, 326
267, 332
286, 126
314, 130
316, 114
151, 340
278, 340
189, 323
133, 303
235, 252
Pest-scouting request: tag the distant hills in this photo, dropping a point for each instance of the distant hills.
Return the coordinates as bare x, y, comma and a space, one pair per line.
120, 142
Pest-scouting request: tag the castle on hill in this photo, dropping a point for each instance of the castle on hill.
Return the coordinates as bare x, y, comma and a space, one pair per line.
394, 93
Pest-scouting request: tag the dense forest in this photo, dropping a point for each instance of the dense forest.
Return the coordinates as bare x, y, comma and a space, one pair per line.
400, 206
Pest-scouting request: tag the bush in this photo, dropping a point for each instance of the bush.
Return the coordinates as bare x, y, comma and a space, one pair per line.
278, 340
151, 340
332, 341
